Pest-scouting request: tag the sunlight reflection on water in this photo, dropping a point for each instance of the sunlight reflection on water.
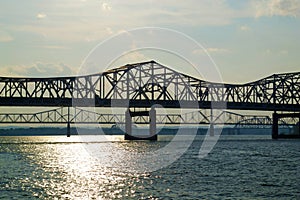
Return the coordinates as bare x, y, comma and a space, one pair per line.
62, 168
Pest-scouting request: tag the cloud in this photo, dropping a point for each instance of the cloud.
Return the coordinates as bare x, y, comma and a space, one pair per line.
194, 13
37, 70
211, 50
269, 52
5, 37
109, 30
106, 7
90, 24
54, 47
245, 28
66, 24
284, 52
41, 16
130, 57
97, 34
277, 8
76, 31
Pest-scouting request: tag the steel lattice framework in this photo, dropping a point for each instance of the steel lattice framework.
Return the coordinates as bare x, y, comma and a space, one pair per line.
75, 115
149, 83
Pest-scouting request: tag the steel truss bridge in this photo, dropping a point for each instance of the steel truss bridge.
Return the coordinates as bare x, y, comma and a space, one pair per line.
74, 115
143, 85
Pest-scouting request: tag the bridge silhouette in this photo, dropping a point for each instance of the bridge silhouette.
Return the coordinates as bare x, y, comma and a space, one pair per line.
144, 85
75, 115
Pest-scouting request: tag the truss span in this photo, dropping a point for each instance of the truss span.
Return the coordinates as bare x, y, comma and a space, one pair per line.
149, 83
75, 115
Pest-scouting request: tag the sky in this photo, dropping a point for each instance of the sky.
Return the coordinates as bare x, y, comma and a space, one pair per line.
246, 39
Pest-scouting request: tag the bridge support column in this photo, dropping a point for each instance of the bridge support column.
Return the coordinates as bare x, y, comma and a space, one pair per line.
211, 130
152, 116
275, 126
128, 123
68, 125
68, 129
299, 126
152, 124
211, 125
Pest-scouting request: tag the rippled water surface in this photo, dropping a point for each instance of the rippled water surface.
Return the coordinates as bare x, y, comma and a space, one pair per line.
248, 167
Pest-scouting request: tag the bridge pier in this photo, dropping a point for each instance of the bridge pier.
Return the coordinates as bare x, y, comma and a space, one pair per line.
299, 124
211, 130
211, 125
275, 126
68, 124
152, 124
68, 129
128, 124
276, 118
152, 116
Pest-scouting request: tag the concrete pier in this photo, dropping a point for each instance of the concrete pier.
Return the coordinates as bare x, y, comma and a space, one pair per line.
275, 129
128, 125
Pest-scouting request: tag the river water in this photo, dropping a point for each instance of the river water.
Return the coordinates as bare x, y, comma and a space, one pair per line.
238, 167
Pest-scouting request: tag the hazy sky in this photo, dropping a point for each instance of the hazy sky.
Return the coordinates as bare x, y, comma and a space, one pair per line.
248, 39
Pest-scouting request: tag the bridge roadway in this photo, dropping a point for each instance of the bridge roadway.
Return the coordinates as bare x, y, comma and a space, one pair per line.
143, 85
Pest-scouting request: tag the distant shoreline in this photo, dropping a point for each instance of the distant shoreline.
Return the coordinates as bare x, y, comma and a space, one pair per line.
53, 131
